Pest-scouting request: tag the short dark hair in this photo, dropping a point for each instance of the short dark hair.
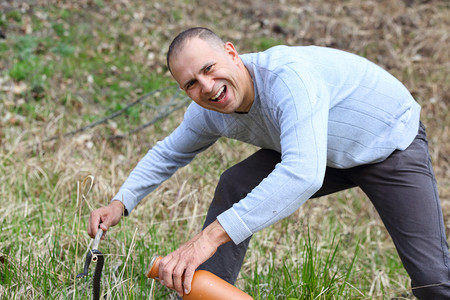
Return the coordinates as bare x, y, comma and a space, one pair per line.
180, 40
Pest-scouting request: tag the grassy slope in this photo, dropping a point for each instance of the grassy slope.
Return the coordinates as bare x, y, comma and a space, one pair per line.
66, 65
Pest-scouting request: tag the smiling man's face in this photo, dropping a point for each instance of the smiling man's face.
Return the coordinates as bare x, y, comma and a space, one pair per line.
213, 76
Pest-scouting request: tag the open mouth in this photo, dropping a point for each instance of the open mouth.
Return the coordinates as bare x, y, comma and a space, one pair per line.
219, 95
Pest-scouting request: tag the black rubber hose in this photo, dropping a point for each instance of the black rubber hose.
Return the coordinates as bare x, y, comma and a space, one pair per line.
97, 274
96, 282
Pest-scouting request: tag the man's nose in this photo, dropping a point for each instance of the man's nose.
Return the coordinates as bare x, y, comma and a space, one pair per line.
207, 85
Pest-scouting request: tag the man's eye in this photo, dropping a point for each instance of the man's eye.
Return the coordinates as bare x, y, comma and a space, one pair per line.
189, 84
208, 68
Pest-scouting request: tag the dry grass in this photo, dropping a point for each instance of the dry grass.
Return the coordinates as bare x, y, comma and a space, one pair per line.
40, 208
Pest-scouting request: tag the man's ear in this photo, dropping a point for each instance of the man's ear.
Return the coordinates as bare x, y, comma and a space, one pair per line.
231, 51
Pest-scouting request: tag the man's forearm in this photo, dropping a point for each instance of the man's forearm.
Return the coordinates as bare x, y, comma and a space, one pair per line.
215, 233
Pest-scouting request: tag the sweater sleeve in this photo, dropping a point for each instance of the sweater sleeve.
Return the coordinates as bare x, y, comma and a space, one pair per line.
161, 162
301, 110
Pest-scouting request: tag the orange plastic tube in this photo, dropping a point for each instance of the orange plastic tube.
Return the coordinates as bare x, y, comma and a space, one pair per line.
205, 285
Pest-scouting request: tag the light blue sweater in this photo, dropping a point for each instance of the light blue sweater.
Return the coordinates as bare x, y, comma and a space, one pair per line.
317, 106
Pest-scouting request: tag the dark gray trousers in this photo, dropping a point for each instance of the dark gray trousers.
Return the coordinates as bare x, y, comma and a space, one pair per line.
403, 190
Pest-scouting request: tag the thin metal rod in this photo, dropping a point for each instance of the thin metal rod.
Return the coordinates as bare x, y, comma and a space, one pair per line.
97, 239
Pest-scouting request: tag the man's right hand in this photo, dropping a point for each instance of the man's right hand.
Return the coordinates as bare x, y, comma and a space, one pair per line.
105, 217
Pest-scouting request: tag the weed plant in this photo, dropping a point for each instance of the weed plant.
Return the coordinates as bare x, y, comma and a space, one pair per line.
315, 276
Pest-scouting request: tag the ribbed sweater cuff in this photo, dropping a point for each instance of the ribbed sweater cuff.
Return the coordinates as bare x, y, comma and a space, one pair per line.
234, 226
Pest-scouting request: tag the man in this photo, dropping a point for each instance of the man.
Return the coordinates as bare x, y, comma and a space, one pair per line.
325, 120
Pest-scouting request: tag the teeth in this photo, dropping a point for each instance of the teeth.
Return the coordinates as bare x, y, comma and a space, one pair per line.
218, 93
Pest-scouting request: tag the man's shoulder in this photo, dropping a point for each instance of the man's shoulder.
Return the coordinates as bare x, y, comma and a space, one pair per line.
280, 61
269, 58
276, 68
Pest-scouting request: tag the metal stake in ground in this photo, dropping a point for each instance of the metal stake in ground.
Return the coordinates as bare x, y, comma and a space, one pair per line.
96, 256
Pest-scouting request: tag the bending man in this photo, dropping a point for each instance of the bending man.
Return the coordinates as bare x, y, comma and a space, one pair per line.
325, 120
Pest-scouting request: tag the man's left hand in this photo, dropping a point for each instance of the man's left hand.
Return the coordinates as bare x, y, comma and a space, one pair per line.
176, 270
